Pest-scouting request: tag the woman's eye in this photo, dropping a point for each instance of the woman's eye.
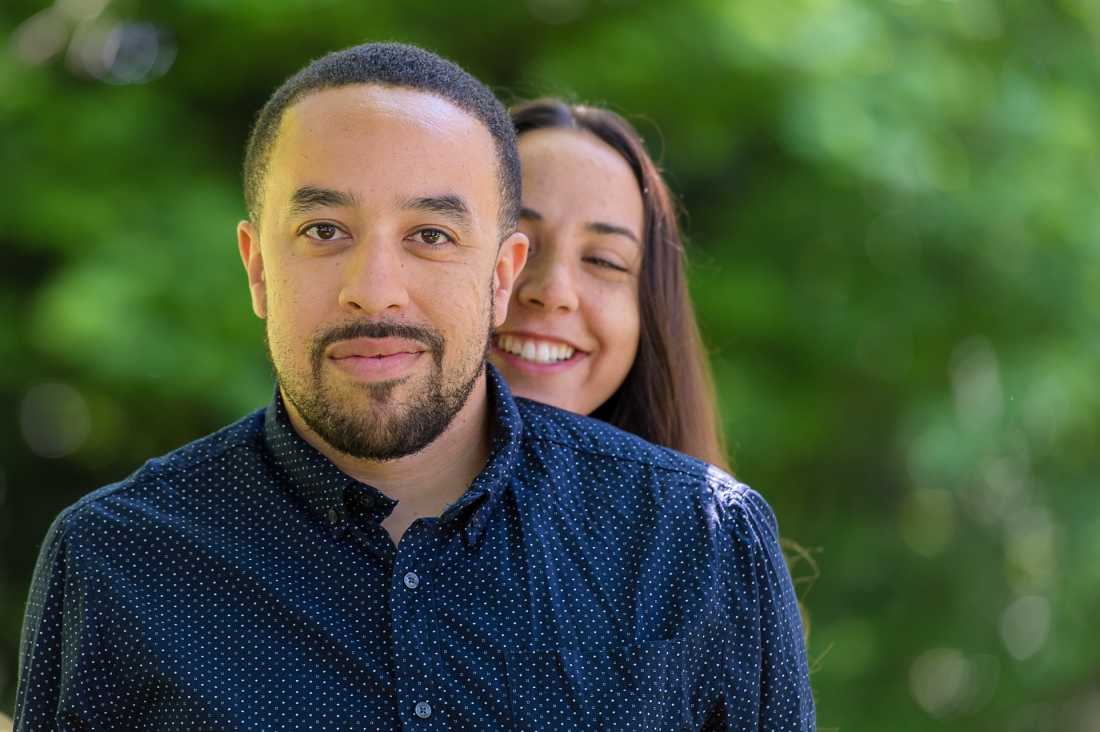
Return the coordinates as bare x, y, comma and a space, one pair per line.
324, 232
432, 237
606, 264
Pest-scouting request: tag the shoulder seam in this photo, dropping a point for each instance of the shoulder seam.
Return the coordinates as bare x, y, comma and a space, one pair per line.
656, 465
154, 468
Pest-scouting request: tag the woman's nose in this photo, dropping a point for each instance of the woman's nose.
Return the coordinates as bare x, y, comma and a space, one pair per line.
547, 283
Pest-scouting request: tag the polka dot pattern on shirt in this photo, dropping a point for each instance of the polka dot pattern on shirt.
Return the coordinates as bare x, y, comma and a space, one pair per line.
587, 580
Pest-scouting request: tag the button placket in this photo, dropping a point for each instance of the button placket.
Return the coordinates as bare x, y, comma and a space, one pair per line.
413, 622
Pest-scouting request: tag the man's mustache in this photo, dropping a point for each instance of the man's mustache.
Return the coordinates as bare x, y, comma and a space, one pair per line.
377, 329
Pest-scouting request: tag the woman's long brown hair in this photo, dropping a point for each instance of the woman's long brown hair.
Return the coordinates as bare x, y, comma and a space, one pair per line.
668, 396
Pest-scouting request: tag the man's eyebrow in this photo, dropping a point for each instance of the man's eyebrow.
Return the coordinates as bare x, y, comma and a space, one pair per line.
450, 206
602, 227
530, 214
307, 198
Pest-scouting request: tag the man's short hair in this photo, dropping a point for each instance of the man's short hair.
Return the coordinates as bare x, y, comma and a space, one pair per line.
394, 65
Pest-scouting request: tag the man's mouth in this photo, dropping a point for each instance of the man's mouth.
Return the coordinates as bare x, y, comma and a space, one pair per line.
536, 350
374, 348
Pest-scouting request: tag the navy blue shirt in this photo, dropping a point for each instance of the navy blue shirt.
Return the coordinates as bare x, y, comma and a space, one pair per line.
586, 580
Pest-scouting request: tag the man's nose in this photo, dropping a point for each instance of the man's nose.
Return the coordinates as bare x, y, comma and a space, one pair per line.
374, 277
548, 283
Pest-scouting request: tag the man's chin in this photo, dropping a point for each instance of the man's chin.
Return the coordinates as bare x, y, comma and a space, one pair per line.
372, 432
368, 394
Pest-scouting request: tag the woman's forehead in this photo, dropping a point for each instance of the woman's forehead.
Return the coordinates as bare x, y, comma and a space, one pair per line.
572, 173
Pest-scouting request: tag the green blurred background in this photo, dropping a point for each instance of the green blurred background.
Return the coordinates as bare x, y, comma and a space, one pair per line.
893, 215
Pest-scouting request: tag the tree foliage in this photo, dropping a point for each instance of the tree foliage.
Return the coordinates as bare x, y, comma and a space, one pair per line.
891, 208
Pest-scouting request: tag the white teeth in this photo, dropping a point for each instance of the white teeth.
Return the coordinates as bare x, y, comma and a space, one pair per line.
536, 351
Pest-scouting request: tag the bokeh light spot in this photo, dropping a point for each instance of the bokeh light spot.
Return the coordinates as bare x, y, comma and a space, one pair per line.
82, 10
928, 521
941, 680
40, 37
976, 385
945, 682
1031, 550
122, 53
1025, 625
54, 419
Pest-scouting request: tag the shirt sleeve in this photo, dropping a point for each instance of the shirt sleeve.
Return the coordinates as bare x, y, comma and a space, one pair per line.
47, 639
785, 698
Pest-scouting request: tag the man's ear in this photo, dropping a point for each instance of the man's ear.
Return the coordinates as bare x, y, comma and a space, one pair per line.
248, 242
510, 260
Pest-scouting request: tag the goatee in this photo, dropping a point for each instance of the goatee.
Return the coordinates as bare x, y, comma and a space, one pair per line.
388, 429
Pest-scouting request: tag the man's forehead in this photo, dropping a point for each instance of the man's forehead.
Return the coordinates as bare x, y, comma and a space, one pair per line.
367, 105
371, 138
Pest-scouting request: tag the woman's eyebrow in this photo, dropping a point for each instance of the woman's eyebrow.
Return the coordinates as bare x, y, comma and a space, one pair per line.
602, 227
530, 214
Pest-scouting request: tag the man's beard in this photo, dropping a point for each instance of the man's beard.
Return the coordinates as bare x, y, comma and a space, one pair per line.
387, 429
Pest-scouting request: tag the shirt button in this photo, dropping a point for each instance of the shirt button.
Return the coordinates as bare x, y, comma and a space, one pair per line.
366, 501
412, 582
333, 516
423, 710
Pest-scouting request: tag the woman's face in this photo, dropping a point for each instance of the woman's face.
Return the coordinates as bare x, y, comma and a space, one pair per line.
572, 328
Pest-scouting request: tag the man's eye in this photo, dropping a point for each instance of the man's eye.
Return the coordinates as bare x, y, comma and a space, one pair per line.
324, 232
432, 237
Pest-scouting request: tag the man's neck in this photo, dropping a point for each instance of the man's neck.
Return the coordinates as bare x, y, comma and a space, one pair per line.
426, 482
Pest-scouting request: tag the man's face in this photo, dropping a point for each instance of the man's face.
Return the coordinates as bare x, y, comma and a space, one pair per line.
376, 264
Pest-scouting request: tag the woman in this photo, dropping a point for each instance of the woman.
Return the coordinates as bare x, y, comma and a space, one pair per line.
601, 320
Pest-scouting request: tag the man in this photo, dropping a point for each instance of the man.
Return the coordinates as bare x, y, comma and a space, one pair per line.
395, 542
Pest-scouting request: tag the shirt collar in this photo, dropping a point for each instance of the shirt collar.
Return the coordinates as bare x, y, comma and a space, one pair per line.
311, 476
324, 487
484, 494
